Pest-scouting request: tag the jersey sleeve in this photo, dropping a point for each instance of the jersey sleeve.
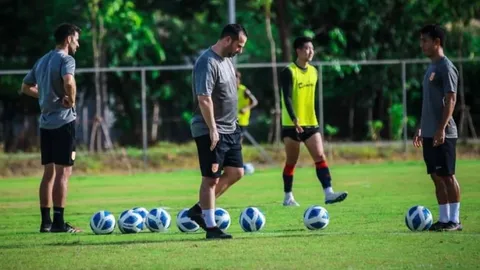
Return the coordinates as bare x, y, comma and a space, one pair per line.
205, 76
68, 66
286, 84
30, 78
317, 102
449, 76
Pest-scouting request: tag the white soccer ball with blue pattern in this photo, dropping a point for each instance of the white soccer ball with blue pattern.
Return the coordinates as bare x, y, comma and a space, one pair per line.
222, 218
142, 211
316, 218
252, 219
158, 220
102, 222
418, 218
248, 168
185, 224
130, 222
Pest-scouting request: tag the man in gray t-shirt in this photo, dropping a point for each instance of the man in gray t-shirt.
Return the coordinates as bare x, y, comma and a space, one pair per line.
214, 125
438, 131
52, 81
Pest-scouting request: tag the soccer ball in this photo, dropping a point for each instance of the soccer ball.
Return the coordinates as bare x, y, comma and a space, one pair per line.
130, 222
252, 220
102, 222
142, 212
158, 220
248, 168
316, 218
222, 218
184, 223
418, 218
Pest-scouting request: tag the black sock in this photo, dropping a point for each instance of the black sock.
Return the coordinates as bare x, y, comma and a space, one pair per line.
45, 215
323, 174
288, 171
287, 183
196, 208
58, 216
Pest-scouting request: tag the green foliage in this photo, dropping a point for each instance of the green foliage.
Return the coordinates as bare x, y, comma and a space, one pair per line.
175, 32
399, 121
374, 128
331, 130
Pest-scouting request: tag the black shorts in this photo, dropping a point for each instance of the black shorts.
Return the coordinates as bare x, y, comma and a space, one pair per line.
243, 129
291, 133
58, 145
441, 159
227, 153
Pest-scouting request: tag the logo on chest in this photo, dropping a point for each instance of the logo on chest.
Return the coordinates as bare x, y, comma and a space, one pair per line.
432, 76
301, 85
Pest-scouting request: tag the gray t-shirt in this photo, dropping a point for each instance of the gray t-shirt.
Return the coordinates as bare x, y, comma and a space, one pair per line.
48, 74
441, 78
214, 76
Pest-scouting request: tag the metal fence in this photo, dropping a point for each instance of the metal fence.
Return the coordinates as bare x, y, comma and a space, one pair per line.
321, 66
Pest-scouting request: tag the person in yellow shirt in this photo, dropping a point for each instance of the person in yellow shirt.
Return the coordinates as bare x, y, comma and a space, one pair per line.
246, 102
299, 121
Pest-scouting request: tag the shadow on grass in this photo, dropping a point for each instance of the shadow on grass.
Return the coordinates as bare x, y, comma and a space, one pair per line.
196, 238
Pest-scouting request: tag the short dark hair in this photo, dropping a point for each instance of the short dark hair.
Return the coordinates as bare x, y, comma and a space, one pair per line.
233, 30
300, 41
65, 30
434, 31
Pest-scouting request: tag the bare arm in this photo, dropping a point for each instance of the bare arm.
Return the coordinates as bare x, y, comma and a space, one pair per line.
30, 90
286, 82
253, 99
206, 107
450, 100
70, 88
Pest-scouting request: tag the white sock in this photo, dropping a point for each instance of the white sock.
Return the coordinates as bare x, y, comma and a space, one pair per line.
328, 190
209, 217
288, 196
444, 215
454, 212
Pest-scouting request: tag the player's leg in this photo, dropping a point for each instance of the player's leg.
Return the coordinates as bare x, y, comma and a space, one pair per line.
211, 163
314, 145
446, 170
429, 156
232, 163
292, 151
64, 159
46, 185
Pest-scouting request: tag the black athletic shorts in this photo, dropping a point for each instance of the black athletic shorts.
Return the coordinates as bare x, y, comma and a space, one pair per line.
58, 145
243, 129
441, 159
227, 153
291, 133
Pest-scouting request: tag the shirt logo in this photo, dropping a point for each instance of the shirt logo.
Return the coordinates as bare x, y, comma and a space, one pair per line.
432, 76
301, 85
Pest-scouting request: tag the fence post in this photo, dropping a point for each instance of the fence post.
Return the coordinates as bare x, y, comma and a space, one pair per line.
404, 98
320, 99
144, 117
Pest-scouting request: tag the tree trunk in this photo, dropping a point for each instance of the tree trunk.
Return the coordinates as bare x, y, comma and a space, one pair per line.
283, 24
103, 83
155, 120
268, 29
95, 137
351, 118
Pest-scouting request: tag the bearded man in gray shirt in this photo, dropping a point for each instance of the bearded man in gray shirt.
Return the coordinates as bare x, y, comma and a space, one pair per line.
215, 127
52, 81
438, 132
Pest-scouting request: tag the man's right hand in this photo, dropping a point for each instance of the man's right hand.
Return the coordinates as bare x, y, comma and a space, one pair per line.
214, 137
67, 102
417, 138
298, 128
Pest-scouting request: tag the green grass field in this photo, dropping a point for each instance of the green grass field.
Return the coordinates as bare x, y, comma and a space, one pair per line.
366, 231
